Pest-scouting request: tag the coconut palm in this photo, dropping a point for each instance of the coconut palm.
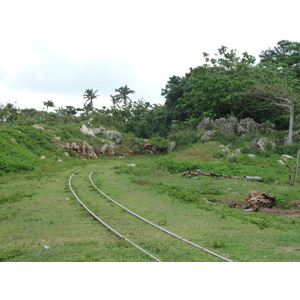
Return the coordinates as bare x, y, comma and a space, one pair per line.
122, 95
89, 95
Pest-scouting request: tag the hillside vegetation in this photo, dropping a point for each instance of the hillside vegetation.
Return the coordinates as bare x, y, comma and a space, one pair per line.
38, 210
228, 129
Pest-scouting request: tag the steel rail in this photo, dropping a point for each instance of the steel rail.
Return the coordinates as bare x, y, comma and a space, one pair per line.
106, 225
157, 226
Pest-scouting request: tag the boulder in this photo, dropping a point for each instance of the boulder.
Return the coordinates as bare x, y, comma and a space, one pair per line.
96, 131
152, 149
173, 146
81, 149
207, 124
247, 126
207, 135
224, 148
114, 135
38, 126
236, 152
87, 131
108, 150
261, 144
232, 126
254, 200
286, 157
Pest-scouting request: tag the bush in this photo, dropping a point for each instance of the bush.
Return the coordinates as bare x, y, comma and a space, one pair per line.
183, 137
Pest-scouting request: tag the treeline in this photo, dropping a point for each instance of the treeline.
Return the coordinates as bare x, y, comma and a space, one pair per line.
232, 85
227, 84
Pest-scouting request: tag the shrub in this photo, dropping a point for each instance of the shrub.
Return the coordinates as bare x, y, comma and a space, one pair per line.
183, 137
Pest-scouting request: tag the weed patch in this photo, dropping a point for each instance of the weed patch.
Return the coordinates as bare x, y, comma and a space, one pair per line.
14, 198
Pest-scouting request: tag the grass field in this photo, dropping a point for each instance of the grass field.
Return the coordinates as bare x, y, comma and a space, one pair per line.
41, 220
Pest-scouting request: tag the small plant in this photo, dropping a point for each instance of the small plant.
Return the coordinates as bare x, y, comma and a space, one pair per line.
218, 244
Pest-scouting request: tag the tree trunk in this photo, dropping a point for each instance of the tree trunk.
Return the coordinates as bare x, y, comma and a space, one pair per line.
291, 124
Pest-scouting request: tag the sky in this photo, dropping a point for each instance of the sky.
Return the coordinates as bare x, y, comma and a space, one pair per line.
55, 50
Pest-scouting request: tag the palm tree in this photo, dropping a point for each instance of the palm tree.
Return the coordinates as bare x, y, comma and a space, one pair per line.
48, 104
123, 93
89, 95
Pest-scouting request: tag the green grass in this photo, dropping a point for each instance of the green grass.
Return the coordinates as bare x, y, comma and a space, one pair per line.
37, 208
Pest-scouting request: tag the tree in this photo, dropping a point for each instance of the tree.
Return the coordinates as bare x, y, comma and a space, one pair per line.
89, 95
122, 95
67, 111
173, 92
214, 89
48, 104
277, 94
9, 112
286, 55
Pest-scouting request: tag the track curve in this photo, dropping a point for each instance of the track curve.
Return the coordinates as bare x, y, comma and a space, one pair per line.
159, 227
105, 224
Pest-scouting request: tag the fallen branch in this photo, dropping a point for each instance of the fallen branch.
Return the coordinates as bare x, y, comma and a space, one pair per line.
200, 172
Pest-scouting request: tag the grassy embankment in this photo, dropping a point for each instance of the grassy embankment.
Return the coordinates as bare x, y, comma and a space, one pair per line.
37, 209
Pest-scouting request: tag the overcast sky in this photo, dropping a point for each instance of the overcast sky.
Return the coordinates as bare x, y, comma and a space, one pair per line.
56, 49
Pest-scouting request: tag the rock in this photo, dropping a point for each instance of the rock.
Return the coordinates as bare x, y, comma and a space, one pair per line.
232, 126
285, 157
66, 154
87, 131
43, 157
236, 152
81, 149
114, 135
206, 124
129, 152
280, 162
251, 156
108, 149
96, 131
153, 149
247, 126
256, 201
224, 148
261, 144
56, 139
208, 135
38, 126
149, 149
173, 146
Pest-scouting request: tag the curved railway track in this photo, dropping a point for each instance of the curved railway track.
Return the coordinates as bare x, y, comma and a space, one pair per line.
157, 226
105, 224
173, 235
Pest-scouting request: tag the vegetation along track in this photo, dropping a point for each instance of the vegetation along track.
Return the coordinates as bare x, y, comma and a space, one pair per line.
106, 225
141, 229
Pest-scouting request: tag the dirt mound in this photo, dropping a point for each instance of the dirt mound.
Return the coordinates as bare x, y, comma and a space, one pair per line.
256, 201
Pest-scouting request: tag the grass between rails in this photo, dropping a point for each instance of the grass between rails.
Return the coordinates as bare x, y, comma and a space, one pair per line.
37, 209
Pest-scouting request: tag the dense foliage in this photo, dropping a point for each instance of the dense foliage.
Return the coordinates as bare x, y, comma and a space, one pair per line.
225, 85
230, 85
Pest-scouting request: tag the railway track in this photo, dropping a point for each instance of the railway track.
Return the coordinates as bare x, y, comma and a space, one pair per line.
139, 218
106, 225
